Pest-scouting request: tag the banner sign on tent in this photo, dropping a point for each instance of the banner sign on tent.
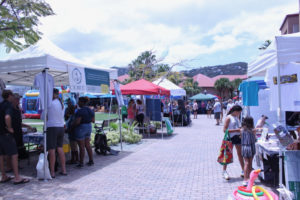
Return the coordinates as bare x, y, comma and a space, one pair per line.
77, 79
118, 93
97, 81
88, 80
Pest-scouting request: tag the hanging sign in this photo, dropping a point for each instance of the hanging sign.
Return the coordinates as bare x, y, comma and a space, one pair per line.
77, 79
84, 80
97, 81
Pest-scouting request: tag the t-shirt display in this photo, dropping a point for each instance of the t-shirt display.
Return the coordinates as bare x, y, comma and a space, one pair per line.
39, 82
290, 87
249, 91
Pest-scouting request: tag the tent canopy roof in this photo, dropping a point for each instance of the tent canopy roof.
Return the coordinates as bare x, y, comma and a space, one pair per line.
203, 97
143, 87
284, 49
174, 89
21, 68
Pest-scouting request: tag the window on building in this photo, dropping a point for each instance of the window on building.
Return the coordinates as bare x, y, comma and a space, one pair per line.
295, 28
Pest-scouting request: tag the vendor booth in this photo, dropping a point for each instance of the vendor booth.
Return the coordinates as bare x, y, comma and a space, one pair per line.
144, 87
44, 65
178, 93
279, 64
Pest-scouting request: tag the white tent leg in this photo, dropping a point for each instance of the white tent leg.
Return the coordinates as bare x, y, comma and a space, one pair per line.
45, 121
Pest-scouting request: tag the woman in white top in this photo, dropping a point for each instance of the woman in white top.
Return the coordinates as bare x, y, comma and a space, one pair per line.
140, 112
195, 109
55, 133
233, 125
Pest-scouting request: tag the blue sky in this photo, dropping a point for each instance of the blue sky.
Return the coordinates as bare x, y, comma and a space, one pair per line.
204, 32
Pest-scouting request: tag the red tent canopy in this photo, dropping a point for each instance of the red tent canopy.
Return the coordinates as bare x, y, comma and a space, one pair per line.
142, 87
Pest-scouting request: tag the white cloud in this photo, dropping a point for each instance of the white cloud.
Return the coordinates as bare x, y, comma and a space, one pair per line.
129, 27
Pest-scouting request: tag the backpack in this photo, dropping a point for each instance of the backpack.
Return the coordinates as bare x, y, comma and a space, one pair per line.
100, 143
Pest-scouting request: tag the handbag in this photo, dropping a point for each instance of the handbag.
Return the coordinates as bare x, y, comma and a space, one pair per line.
225, 156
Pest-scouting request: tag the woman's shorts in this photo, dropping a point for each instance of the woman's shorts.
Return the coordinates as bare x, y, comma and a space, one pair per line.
236, 140
83, 131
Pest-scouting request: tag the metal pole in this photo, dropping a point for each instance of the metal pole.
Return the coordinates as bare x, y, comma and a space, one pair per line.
279, 114
120, 128
45, 121
172, 113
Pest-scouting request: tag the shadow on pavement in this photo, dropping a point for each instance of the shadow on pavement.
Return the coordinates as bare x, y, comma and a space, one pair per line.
74, 173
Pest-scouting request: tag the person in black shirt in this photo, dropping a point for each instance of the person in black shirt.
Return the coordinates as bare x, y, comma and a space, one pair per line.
83, 123
8, 145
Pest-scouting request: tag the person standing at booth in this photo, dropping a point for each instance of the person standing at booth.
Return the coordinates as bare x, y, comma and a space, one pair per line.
55, 133
140, 112
131, 111
8, 145
84, 118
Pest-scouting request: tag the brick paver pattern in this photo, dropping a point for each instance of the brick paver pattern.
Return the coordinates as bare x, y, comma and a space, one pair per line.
182, 166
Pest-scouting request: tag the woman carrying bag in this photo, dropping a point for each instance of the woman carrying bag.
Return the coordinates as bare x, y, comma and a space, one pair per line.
233, 133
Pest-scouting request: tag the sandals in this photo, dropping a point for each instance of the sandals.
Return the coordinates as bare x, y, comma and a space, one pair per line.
63, 174
6, 180
24, 180
90, 163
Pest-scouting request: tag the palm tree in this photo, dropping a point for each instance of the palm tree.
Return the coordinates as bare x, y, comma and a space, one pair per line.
236, 84
222, 85
191, 87
233, 86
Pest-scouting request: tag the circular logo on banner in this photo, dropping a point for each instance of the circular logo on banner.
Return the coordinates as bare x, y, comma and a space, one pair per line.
76, 76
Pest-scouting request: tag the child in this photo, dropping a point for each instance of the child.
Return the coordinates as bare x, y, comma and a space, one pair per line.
71, 133
248, 146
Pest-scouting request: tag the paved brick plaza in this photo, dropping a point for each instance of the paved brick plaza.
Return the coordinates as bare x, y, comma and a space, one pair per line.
182, 166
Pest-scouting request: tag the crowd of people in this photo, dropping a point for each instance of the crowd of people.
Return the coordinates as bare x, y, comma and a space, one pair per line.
78, 119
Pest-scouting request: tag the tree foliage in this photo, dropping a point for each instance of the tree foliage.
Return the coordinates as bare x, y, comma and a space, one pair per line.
19, 21
191, 87
234, 85
222, 85
176, 77
147, 66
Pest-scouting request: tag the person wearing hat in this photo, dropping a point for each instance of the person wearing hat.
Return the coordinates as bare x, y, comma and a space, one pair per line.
8, 145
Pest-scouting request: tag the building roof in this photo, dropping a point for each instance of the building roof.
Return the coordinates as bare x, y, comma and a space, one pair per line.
203, 81
123, 77
287, 16
230, 77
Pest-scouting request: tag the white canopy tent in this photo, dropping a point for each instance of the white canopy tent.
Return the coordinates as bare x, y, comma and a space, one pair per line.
284, 49
21, 67
174, 89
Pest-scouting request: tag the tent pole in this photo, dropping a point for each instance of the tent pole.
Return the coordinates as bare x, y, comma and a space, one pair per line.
109, 111
161, 122
172, 113
279, 114
45, 121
